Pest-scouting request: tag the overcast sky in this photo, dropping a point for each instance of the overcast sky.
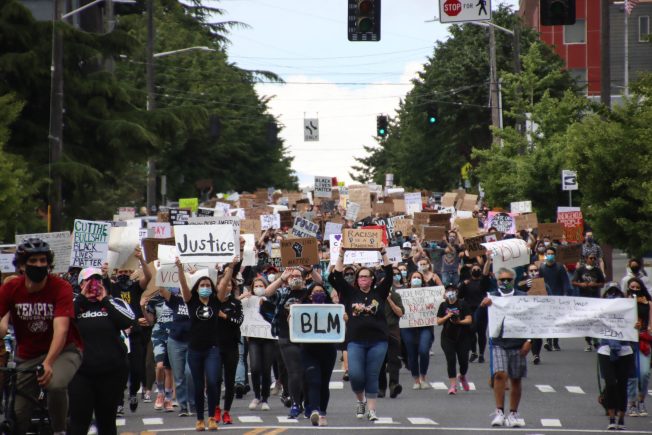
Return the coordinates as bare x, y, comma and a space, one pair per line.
344, 84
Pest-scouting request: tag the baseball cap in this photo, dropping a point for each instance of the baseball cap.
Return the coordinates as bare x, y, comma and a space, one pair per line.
407, 245
88, 272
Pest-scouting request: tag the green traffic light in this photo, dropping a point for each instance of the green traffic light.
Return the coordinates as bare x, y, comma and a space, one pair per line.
365, 25
381, 132
432, 120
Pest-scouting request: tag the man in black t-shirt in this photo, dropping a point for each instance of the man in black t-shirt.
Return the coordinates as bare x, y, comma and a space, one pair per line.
473, 291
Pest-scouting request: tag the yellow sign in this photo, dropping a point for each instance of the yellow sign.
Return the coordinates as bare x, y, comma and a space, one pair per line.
191, 203
465, 171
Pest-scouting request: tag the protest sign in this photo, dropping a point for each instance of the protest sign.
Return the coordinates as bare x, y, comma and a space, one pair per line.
352, 211
304, 228
404, 226
249, 253
317, 323
413, 202
209, 212
569, 254
383, 230
167, 254
250, 226
222, 208
399, 205
191, 203
440, 220
474, 245
521, 207
467, 202
432, 234
351, 257
6, 263
332, 228
421, 305
179, 216
573, 221
323, 187
393, 254
508, 253
206, 243
299, 252
327, 206
167, 275
503, 222
563, 317
124, 240
554, 231
160, 230
361, 196
90, 243
286, 218
538, 288
383, 208
60, 244
467, 227
448, 200
270, 221
150, 247
125, 213
526, 221
254, 325
362, 239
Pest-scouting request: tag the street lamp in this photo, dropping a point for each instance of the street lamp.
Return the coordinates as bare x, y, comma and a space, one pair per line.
182, 50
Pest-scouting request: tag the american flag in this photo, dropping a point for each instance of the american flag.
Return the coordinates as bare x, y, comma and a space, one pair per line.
630, 5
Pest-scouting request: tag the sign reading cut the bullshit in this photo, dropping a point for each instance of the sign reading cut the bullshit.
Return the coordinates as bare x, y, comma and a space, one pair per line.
205, 243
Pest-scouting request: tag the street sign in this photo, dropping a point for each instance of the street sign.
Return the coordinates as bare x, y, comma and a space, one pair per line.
311, 129
568, 180
456, 11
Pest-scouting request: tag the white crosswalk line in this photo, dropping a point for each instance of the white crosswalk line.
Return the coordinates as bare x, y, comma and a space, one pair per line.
384, 420
550, 422
120, 422
545, 388
575, 389
336, 385
250, 419
153, 420
439, 386
471, 386
422, 420
284, 419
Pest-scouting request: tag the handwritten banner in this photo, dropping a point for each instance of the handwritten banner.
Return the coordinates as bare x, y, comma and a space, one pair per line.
362, 239
317, 323
521, 207
90, 243
421, 305
563, 317
270, 221
323, 187
508, 253
254, 325
304, 228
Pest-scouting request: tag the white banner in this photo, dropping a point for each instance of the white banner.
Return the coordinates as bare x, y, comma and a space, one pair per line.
160, 230
351, 257
268, 221
332, 228
323, 187
413, 203
90, 243
254, 325
60, 244
167, 275
304, 228
205, 243
421, 305
6, 263
563, 317
508, 253
521, 207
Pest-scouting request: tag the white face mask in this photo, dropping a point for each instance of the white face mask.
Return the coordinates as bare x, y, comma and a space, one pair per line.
259, 291
589, 267
271, 277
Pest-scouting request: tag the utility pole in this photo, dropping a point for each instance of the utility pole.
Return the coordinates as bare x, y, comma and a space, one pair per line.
493, 83
605, 59
151, 104
55, 134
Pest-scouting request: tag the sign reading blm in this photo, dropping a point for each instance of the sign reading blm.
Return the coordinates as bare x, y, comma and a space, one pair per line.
317, 323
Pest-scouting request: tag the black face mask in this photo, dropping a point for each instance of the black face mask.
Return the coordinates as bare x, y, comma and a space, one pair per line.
36, 273
635, 269
123, 281
476, 273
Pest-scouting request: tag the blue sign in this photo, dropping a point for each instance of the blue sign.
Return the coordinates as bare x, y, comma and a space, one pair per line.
317, 323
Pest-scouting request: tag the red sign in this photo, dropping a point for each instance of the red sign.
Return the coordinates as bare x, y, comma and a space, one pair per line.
452, 8
573, 222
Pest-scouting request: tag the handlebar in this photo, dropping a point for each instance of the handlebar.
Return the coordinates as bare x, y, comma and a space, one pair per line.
38, 370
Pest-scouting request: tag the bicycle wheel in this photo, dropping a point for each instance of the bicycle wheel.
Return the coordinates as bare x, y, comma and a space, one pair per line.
7, 428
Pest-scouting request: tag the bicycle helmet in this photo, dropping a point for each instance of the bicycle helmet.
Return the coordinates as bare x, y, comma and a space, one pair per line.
30, 247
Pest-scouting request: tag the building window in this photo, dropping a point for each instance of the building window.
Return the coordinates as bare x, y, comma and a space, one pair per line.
575, 34
579, 74
644, 29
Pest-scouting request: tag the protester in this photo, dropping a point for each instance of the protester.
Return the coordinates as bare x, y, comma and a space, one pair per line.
591, 248
364, 301
526, 286
473, 291
589, 279
455, 316
451, 262
637, 385
509, 359
99, 382
394, 310
634, 270
556, 278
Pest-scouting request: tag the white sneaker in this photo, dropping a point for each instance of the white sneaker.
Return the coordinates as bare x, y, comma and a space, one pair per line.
416, 386
254, 404
425, 385
360, 409
371, 415
499, 419
514, 420
264, 406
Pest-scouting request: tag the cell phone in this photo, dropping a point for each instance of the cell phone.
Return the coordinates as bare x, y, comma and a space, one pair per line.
95, 288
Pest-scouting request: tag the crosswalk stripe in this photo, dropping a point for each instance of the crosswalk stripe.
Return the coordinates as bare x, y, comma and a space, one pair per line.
336, 385
250, 419
284, 419
545, 388
422, 420
153, 420
384, 420
120, 422
575, 389
550, 422
439, 386
471, 386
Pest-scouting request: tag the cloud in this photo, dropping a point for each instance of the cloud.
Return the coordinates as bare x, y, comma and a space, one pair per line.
347, 118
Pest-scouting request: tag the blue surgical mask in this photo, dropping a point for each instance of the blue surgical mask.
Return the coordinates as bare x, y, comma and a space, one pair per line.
416, 282
404, 273
550, 258
204, 292
397, 277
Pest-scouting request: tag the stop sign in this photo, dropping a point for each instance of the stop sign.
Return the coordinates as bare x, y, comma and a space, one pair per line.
452, 8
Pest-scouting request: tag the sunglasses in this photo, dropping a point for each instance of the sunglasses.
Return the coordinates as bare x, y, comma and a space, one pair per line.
505, 280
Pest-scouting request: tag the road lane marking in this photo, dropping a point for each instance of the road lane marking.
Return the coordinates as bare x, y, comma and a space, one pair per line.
545, 388
284, 419
575, 390
439, 386
256, 431
250, 419
422, 420
153, 420
336, 385
550, 422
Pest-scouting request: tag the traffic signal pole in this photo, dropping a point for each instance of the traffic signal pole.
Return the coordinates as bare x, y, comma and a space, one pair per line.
493, 83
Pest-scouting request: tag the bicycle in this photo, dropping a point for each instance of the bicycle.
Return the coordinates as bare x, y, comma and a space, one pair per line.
40, 420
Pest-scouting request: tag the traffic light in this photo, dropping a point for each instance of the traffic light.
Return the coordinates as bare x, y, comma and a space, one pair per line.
381, 125
557, 12
432, 116
364, 20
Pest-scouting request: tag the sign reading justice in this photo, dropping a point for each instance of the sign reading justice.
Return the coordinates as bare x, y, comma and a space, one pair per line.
205, 243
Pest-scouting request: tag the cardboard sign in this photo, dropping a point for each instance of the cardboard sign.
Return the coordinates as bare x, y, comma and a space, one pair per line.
317, 323
526, 221
404, 226
286, 218
554, 231
467, 227
503, 222
521, 207
332, 228
440, 220
569, 254
378, 227
351, 257
468, 202
191, 203
254, 325
361, 239
362, 197
250, 226
474, 245
160, 230
421, 306
90, 243
573, 221
268, 221
179, 216
538, 288
432, 234
299, 252
323, 187
59, 242
383, 208
352, 211
304, 228
448, 200
150, 247
206, 243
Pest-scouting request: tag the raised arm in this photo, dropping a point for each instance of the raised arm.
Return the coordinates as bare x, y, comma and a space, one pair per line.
185, 291
277, 283
222, 287
147, 274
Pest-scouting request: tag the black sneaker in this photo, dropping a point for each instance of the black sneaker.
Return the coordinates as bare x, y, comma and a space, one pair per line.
473, 357
133, 403
183, 412
381, 394
547, 346
481, 359
285, 400
556, 348
239, 391
345, 376
395, 390
537, 360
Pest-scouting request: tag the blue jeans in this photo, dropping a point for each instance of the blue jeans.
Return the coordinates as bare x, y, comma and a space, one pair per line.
637, 386
418, 342
205, 363
243, 367
178, 356
365, 360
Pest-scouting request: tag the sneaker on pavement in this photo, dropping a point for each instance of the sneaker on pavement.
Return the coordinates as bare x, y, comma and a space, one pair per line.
642, 410
286, 401
239, 391
276, 389
212, 424
360, 409
147, 397
371, 415
612, 426
514, 420
588, 348
621, 424
345, 376
473, 357
314, 418
452, 390
499, 419
254, 404
416, 386
632, 410
556, 347
168, 406
200, 426
465, 384
381, 394
183, 412
295, 411
537, 360
424, 385
160, 399
395, 390
323, 421
226, 418
264, 406
120, 411
217, 415
547, 346
481, 359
